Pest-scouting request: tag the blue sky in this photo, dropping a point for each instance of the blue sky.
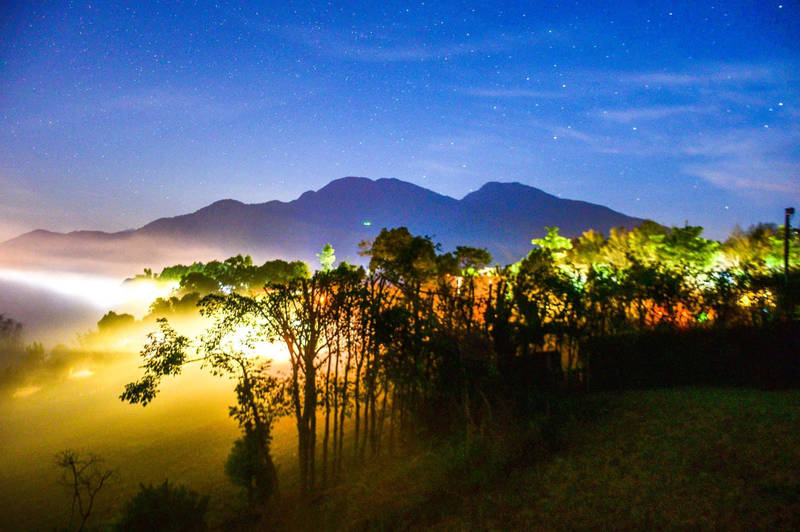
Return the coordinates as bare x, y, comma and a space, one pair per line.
111, 116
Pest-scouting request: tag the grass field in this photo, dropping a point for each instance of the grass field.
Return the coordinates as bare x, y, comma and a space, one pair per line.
683, 458
670, 458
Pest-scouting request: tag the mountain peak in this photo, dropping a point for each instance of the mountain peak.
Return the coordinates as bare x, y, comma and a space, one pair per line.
365, 193
224, 204
494, 191
339, 186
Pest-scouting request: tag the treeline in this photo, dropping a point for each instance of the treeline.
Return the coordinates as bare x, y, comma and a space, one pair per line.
432, 342
189, 284
10, 335
234, 274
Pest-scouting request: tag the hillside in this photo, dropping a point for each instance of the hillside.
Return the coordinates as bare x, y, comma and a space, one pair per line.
502, 217
666, 459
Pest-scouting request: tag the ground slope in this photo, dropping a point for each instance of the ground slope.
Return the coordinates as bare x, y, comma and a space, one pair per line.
686, 458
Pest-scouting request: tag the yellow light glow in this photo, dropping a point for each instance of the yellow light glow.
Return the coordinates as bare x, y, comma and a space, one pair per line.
762, 299
245, 340
25, 391
124, 342
146, 291
80, 374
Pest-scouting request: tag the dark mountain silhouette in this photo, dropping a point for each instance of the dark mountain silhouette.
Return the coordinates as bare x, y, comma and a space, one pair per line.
502, 217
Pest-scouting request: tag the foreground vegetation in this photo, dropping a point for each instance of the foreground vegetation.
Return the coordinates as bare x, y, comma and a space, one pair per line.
431, 342
685, 457
698, 458
472, 372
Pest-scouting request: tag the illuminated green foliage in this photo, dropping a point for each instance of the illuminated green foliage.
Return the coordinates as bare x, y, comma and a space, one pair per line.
327, 257
234, 274
556, 244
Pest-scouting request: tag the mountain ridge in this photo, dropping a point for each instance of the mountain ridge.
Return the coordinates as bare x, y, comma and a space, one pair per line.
501, 216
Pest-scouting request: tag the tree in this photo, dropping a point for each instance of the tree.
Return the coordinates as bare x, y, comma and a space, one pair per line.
556, 244
327, 257
260, 401
297, 313
403, 259
686, 251
245, 468
470, 259
198, 282
166, 508
227, 348
10, 334
85, 477
112, 322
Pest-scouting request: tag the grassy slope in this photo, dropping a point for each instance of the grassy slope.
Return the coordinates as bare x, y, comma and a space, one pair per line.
671, 458
664, 459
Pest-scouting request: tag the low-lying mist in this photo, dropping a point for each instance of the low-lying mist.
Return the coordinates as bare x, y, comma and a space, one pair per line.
117, 255
55, 306
60, 388
90, 340
74, 404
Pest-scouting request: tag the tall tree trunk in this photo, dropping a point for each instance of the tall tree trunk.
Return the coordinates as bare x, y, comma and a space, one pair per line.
327, 422
310, 417
345, 398
336, 406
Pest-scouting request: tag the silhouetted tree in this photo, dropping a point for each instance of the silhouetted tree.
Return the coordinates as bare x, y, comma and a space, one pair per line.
297, 313
10, 334
225, 348
112, 322
84, 477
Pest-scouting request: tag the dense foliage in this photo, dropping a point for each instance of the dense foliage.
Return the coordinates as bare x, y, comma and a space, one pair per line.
425, 341
234, 274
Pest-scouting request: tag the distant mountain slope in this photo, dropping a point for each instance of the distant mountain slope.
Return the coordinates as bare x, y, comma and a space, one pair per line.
502, 217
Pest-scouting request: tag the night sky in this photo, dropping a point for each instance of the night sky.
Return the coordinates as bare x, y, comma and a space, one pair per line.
114, 115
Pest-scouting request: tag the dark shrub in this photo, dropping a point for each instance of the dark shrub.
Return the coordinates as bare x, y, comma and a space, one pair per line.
165, 508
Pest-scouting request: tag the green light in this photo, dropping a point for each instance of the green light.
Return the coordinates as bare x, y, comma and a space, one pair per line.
367, 223
702, 317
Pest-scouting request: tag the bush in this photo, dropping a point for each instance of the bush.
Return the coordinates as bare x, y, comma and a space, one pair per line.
164, 508
765, 357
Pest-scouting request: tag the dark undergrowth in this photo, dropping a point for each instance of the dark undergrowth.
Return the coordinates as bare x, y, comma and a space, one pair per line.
708, 458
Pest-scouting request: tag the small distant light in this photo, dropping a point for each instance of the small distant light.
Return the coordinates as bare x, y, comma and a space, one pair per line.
780, 104
555, 137
366, 223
